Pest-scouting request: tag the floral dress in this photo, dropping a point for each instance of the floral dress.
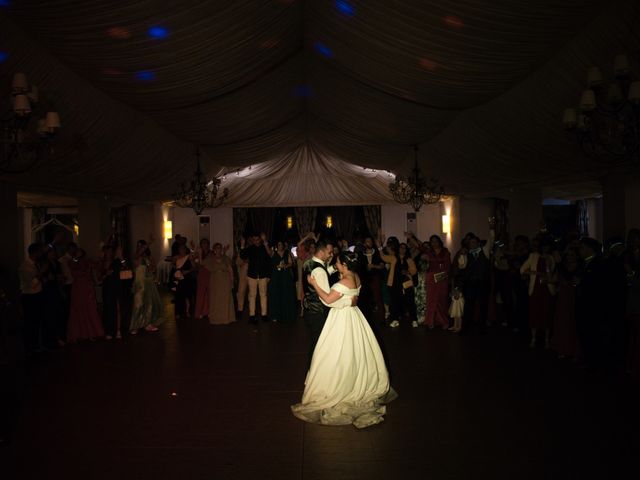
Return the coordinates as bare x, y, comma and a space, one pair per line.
421, 290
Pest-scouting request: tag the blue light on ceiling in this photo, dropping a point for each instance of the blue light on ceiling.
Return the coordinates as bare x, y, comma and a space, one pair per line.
5, 3
158, 32
145, 76
3, 56
303, 91
346, 8
323, 50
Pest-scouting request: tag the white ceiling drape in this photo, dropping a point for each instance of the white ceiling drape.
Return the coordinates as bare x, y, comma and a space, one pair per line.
480, 85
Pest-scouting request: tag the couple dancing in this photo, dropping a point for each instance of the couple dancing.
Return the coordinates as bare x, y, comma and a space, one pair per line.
347, 382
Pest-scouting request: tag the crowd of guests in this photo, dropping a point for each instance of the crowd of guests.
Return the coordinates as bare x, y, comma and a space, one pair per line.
67, 297
572, 295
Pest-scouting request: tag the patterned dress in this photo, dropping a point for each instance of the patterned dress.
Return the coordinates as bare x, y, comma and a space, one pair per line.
421, 290
147, 304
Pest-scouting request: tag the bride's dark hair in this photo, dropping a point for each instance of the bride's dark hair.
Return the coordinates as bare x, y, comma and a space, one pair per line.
349, 260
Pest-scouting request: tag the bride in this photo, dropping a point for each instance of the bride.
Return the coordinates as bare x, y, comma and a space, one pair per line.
348, 382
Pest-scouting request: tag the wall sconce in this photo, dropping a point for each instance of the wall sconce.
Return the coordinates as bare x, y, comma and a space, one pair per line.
289, 223
446, 224
76, 229
168, 230
329, 221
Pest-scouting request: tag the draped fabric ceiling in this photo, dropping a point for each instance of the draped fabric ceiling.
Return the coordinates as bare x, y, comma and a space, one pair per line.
480, 85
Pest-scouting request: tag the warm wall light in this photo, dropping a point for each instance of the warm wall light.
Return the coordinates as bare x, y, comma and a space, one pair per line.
168, 229
76, 229
446, 223
329, 221
289, 223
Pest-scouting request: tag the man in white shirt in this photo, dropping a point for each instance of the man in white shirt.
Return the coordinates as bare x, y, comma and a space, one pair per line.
315, 310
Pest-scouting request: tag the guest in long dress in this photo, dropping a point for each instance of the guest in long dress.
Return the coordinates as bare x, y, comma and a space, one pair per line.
372, 304
422, 265
439, 260
565, 336
242, 266
32, 299
393, 282
54, 305
184, 277
84, 321
148, 310
221, 309
202, 281
540, 267
282, 298
111, 293
408, 270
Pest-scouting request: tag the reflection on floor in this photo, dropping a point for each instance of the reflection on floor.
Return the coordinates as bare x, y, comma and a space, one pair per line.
196, 401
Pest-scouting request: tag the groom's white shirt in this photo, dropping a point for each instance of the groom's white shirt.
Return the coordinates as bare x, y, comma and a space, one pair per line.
320, 276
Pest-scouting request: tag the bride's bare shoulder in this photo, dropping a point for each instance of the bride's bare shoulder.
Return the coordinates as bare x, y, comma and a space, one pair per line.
350, 282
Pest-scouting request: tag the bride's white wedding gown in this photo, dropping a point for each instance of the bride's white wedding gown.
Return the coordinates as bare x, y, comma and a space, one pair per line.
348, 382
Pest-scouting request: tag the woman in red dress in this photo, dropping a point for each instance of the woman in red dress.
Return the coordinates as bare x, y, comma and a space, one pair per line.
437, 275
84, 320
540, 267
565, 336
202, 288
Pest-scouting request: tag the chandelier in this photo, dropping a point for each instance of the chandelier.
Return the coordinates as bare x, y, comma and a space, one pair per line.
200, 193
22, 144
606, 124
416, 190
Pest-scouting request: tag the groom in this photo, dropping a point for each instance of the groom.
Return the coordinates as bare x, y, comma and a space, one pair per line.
315, 312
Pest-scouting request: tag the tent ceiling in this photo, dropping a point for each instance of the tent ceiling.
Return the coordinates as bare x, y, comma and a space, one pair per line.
479, 84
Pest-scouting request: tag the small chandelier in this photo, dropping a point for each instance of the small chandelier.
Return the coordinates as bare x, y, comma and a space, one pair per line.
21, 147
606, 124
416, 190
200, 193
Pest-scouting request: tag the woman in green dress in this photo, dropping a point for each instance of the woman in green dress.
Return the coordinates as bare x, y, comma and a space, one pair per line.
282, 291
148, 310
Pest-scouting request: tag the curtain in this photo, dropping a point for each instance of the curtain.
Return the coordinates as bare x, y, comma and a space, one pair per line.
239, 224
262, 220
501, 213
120, 228
343, 221
582, 218
306, 219
38, 217
373, 217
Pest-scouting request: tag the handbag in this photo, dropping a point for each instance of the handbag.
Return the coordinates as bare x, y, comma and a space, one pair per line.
440, 276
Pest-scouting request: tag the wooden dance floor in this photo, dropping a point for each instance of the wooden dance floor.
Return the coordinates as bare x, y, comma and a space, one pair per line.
203, 402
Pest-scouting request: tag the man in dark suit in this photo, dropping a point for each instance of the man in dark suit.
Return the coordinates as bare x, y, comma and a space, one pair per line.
590, 311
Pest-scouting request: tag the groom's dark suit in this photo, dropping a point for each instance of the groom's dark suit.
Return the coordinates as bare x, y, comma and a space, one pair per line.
315, 312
